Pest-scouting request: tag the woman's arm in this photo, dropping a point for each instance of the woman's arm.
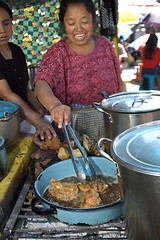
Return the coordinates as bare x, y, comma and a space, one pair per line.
59, 113
26, 112
34, 103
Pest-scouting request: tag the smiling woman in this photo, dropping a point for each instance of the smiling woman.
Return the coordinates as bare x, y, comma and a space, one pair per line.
75, 71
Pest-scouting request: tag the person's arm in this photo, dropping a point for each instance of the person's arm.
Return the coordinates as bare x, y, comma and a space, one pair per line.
34, 103
59, 113
26, 112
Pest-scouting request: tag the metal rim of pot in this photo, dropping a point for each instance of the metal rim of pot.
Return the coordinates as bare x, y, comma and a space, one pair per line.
9, 123
124, 151
8, 110
130, 102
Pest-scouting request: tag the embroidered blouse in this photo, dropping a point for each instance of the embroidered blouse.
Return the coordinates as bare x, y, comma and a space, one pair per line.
79, 78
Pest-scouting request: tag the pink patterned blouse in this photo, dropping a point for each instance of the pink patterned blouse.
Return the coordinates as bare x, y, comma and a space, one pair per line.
77, 78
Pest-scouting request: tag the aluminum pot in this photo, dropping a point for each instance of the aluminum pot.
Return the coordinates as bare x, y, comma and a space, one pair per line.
137, 153
128, 109
91, 216
3, 158
9, 123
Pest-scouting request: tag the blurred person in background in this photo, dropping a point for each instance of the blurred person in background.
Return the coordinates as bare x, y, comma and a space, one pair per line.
151, 59
123, 57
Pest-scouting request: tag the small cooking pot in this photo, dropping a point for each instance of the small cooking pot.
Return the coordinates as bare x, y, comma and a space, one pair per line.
91, 216
3, 158
128, 109
137, 153
9, 123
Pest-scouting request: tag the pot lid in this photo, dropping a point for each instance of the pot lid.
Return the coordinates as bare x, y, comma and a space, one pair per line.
138, 148
132, 102
7, 109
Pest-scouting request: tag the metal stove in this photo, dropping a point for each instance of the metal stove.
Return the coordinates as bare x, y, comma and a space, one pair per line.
23, 223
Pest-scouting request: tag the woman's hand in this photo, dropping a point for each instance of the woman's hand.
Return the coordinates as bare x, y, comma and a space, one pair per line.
44, 128
60, 114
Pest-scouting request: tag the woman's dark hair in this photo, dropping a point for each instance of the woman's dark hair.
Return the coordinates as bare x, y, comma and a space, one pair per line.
150, 46
88, 4
7, 8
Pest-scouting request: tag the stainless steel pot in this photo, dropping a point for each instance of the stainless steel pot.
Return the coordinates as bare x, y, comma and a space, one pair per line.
91, 216
128, 109
3, 158
9, 123
137, 154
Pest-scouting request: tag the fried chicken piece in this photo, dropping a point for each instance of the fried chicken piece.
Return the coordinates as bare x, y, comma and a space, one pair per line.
63, 153
73, 144
64, 191
90, 199
77, 152
88, 143
92, 186
38, 169
91, 193
46, 144
101, 185
41, 155
91, 196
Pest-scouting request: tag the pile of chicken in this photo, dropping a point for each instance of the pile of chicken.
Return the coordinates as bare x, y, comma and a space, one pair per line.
61, 149
69, 192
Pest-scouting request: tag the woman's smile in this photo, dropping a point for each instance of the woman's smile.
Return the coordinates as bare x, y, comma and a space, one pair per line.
80, 36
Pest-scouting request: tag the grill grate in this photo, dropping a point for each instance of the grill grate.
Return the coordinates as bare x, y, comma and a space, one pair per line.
25, 224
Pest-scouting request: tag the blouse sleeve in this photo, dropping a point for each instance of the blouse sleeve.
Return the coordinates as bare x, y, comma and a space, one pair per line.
52, 70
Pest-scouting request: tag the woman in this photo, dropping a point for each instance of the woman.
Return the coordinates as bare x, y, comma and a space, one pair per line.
151, 58
14, 78
75, 71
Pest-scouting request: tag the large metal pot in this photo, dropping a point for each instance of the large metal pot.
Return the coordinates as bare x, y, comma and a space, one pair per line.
3, 158
128, 109
91, 216
137, 153
9, 123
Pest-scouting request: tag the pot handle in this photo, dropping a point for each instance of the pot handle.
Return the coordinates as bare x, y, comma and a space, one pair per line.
105, 95
40, 210
106, 155
98, 107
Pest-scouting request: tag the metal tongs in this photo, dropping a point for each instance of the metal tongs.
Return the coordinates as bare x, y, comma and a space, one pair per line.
81, 172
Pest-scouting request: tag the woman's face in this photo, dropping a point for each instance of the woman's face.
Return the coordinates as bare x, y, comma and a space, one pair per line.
5, 27
78, 23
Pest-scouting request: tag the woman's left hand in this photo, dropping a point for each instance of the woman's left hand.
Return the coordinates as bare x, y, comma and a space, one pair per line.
44, 128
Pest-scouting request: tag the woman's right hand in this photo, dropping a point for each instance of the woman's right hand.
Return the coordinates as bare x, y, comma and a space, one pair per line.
60, 114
